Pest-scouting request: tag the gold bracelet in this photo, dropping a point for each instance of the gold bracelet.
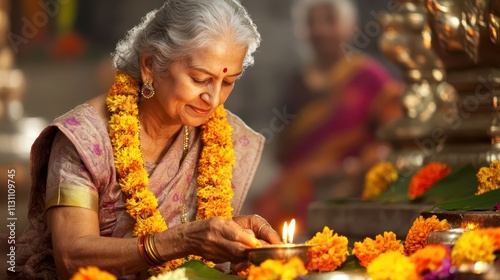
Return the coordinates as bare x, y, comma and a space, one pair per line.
141, 245
155, 250
152, 252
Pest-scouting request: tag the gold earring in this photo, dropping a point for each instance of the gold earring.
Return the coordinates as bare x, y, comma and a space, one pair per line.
147, 89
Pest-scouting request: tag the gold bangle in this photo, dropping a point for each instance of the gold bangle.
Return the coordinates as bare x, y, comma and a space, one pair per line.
143, 251
152, 252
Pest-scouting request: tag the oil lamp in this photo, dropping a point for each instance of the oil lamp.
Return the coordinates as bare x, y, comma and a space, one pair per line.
284, 251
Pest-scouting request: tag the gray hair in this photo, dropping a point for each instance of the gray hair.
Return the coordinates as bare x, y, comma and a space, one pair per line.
347, 9
180, 28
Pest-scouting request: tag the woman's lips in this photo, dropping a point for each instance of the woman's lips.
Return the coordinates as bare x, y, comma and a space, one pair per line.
200, 111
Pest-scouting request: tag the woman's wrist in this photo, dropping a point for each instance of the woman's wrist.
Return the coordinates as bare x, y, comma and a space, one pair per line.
171, 244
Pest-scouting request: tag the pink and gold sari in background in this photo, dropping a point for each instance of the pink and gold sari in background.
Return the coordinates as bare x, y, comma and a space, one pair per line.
335, 127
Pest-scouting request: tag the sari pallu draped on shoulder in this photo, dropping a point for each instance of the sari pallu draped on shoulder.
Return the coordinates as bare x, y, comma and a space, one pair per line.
78, 144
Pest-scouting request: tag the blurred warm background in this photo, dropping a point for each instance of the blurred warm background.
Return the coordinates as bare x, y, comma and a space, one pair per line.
54, 55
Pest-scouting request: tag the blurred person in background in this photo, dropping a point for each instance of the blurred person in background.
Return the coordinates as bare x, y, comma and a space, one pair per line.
339, 98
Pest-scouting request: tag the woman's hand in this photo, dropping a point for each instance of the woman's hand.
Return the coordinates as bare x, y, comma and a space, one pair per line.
260, 227
216, 239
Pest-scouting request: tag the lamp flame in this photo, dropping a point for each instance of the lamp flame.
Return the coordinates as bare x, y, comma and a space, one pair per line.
288, 231
285, 232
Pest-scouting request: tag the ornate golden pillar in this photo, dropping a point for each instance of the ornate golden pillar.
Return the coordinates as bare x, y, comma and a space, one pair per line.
428, 101
449, 52
465, 37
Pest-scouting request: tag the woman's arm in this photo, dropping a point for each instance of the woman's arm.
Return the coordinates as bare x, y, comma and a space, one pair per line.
76, 242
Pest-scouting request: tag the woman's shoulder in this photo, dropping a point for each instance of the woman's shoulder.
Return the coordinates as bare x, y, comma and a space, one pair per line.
242, 130
89, 114
84, 126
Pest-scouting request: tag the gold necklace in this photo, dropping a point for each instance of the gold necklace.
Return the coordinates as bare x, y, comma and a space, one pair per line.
185, 145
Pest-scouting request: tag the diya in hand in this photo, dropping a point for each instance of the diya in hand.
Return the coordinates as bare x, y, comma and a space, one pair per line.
283, 252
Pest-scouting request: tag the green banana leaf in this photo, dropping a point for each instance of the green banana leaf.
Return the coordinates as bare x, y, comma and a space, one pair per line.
458, 184
483, 202
196, 270
396, 193
351, 264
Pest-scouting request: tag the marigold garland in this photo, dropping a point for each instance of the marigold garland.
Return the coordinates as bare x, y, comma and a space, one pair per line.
420, 230
92, 273
378, 178
328, 251
370, 249
427, 176
488, 178
215, 165
276, 269
215, 168
471, 247
392, 266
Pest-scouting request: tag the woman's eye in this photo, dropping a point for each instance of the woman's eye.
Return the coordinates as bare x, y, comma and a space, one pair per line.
227, 83
200, 82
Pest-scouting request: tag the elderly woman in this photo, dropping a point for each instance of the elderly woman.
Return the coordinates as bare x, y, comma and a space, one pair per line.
156, 171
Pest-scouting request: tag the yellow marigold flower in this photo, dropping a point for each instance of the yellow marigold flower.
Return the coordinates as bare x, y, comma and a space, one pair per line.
370, 249
378, 178
134, 182
92, 273
427, 176
429, 258
149, 225
328, 251
420, 230
143, 203
392, 266
488, 178
473, 247
493, 233
276, 269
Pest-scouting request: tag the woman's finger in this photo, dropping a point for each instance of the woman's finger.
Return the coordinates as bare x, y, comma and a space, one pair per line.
267, 233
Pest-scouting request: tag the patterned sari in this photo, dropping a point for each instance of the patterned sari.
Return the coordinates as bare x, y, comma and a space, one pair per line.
72, 164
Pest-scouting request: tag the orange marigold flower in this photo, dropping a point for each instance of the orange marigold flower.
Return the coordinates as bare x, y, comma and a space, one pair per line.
488, 178
429, 258
370, 249
471, 247
427, 176
92, 273
328, 251
392, 266
493, 233
276, 269
378, 178
420, 230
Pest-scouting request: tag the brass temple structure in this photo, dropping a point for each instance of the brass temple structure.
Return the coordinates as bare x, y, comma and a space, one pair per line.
438, 43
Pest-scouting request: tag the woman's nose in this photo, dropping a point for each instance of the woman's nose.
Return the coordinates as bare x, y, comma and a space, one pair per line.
212, 96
